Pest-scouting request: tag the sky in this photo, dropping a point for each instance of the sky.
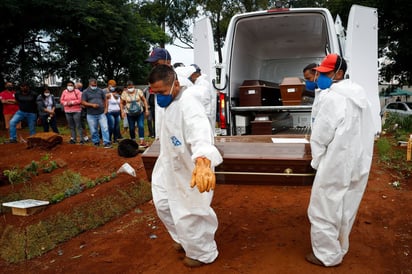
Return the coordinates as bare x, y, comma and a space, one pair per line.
178, 54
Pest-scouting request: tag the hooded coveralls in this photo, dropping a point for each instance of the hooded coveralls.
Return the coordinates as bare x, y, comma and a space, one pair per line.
185, 134
342, 148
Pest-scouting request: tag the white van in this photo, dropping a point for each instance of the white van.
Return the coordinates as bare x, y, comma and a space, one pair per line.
267, 46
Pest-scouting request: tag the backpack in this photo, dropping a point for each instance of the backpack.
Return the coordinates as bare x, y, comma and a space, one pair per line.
135, 108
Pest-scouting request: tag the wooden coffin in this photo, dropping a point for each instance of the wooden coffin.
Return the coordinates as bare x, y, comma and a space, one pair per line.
291, 90
254, 160
259, 93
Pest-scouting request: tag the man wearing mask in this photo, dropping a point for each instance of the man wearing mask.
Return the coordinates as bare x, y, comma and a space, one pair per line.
10, 106
183, 179
310, 75
94, 99
342, 146
158, 56
26, 99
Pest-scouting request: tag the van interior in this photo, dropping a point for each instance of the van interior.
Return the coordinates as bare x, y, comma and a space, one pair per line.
270, 48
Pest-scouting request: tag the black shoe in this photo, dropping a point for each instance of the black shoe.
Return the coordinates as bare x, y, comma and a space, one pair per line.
311, 258
192, 262
12, 141
96, 144
107, 145
81, 142
72, 141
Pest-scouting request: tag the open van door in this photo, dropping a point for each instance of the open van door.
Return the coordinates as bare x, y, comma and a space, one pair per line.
204, 55
362, 54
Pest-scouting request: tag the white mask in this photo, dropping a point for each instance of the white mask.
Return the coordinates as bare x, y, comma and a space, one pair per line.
70, 88
47, 94
130, 89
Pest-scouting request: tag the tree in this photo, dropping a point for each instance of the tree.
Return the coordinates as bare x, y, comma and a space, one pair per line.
102, 39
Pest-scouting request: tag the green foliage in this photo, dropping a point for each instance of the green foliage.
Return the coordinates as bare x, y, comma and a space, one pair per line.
16, 175
384, 147
31, 169
400, 126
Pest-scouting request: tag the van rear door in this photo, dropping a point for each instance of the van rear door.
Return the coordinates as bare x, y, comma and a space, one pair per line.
361, 53
204, 55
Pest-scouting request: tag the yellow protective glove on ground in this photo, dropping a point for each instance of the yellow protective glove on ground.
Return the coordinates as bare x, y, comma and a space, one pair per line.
203, 177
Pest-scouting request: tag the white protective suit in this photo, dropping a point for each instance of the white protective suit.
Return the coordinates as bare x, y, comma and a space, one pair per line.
342, 147
185, 134
206, 98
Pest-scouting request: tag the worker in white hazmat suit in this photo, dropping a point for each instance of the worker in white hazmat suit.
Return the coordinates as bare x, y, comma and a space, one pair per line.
342, 147
183, 179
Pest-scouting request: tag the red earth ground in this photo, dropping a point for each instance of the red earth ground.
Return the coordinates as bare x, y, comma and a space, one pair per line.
262, 229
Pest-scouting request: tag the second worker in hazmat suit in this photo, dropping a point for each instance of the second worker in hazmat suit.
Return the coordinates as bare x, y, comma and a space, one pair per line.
342, 147
183, 179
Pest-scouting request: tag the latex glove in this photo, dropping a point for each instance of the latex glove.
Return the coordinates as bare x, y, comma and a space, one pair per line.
202, 176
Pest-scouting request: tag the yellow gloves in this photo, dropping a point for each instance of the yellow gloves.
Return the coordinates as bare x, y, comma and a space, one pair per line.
203, 176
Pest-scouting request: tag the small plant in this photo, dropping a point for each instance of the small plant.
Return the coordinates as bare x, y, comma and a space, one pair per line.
32, 168
49, 167
16, 175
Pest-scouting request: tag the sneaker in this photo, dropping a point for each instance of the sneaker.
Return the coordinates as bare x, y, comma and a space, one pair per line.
81, 142
107, 146
12, 141
142, 144
96, 144
72, 141
86, 139
192, 262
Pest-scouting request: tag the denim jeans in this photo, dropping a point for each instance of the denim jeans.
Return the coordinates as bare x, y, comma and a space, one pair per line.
113, 121
46, 123
94, 121
132, 119
75, 125
20, 116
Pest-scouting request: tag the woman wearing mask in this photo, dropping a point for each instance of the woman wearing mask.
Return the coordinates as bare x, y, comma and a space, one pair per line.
46, 107
113, 114
71, 99
132, 107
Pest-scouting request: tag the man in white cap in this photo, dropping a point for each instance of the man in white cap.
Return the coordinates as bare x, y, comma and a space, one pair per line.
342, 146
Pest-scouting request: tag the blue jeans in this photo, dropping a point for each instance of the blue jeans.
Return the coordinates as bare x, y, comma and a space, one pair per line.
132, 119
113, 121
20, 116
94, 121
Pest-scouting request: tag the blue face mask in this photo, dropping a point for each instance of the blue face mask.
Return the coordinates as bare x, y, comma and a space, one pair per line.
311, 86
165, 100
324, 82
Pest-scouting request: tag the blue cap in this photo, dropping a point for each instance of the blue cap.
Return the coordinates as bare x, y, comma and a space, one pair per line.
196, 67
158, 54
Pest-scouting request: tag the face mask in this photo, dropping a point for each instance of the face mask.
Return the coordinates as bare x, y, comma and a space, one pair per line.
70, 88
311, 86
165, 100
47, 94
111, 88
130, 89
93, 88
324, 82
